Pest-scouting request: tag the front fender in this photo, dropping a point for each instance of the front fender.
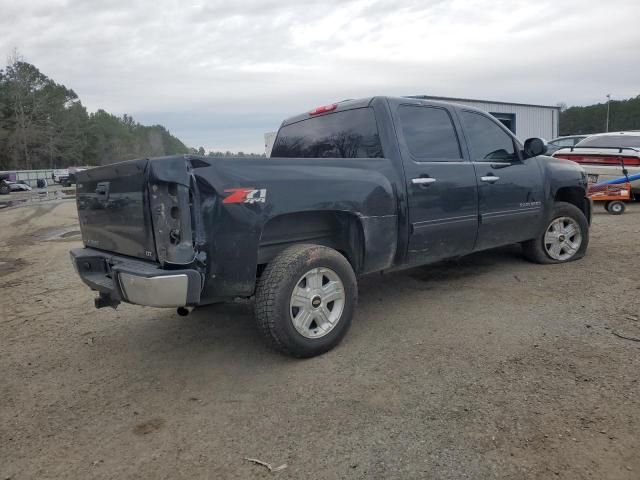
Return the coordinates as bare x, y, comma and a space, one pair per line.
561, 174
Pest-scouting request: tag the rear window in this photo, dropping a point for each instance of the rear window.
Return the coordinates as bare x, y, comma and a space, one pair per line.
611, 141
429, 133
347, 134
563, 142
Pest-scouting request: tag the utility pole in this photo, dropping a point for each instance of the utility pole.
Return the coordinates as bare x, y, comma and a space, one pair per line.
608, 102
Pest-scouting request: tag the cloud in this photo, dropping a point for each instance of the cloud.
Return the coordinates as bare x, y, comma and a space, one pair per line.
240, 67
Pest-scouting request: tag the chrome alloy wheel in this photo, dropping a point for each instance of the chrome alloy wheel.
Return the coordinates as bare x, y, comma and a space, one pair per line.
317, 302
563, 238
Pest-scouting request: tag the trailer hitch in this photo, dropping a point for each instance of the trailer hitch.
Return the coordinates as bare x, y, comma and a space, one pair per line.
104, 300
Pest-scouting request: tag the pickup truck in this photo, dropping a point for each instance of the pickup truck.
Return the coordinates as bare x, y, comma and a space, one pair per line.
356, 187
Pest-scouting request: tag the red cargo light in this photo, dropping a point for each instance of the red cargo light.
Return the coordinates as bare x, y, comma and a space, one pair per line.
324, 109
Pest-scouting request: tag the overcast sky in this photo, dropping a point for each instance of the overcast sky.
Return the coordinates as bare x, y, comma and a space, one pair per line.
221, 73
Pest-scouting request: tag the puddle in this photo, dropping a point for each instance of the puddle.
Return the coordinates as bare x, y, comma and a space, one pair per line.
68, 233
13, 203
14, 265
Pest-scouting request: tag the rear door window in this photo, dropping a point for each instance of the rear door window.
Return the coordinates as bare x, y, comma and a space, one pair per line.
429, 133
487, 141
564, 142
347, 134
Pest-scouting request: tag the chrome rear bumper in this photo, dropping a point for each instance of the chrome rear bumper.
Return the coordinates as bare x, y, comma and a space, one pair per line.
122, 279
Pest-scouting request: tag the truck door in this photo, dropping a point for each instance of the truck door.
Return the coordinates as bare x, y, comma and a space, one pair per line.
441, 185
510, 189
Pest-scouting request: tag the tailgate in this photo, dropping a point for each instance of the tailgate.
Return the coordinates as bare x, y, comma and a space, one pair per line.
113, 209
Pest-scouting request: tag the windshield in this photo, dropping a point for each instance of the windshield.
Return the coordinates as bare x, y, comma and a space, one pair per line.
608, 141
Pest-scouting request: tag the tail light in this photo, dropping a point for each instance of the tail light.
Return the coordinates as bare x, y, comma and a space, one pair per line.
171, 218
600, 159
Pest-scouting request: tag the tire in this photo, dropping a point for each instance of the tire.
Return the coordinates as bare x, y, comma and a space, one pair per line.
306, 324
616, 207
5, 189
539, 250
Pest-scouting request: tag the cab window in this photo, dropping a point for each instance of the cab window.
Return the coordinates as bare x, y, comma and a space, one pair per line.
429, 133
487, 141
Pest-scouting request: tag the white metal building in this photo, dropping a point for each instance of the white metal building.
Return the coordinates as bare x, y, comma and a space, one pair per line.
523, 119
30, 177
269, 140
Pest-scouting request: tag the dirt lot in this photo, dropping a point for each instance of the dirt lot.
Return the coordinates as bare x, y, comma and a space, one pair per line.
488, 367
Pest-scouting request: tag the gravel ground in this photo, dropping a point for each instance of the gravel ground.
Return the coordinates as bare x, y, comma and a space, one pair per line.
487, 367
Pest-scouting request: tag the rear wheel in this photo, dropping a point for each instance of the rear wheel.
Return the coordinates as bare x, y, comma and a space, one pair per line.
4, 189
616, 207
565, 237
305, 300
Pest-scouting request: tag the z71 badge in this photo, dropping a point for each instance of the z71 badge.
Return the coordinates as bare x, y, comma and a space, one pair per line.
246, 195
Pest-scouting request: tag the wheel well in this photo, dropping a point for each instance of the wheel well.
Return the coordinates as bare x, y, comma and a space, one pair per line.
573, 195
338, 230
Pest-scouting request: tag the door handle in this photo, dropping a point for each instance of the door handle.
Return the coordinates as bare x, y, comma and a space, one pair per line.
423, 181
490, 178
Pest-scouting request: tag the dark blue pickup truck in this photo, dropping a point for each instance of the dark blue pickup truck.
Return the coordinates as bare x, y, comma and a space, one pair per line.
351, 188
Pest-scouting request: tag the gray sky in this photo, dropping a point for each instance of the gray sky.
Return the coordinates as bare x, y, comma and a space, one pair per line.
221, 73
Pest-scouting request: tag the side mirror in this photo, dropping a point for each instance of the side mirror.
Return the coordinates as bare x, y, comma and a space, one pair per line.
534, 146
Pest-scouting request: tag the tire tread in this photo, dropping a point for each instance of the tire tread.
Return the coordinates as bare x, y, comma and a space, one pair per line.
277, 272
533, 250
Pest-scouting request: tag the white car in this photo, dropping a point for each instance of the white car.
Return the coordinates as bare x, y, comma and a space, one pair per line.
19, 187
603, 154
561, 142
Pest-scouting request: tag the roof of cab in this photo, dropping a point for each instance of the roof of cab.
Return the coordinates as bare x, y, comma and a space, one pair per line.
342, 105
365, 102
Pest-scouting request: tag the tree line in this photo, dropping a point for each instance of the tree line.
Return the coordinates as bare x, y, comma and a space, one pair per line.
623, 115
217, 153
43, 124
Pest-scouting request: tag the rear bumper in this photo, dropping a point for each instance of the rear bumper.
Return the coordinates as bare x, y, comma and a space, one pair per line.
123, 279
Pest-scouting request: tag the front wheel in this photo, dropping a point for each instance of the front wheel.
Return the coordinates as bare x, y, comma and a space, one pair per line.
305, 300
565, 237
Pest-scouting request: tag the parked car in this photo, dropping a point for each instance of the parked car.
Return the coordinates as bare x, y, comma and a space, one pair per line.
602, 155
19, 187
560, 142
357, 187
58, 174
71, 177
